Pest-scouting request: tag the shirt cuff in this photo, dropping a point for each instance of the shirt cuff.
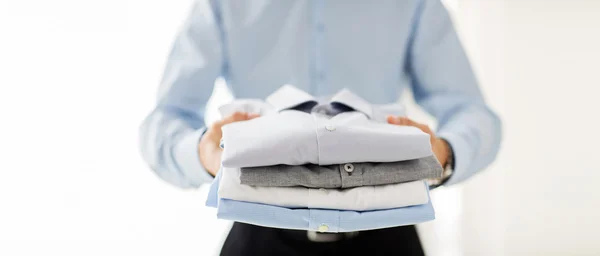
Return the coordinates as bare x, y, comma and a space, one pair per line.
186, 156
463, 156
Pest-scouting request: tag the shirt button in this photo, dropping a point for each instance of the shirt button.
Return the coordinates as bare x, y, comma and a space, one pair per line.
321, 76
330, 127
349, 167
323, 228
322, 190
320, 27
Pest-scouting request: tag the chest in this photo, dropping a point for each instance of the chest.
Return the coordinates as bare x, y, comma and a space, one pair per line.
319, 46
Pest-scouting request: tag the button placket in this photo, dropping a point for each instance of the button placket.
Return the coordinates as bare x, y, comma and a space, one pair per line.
351, 175
317, 41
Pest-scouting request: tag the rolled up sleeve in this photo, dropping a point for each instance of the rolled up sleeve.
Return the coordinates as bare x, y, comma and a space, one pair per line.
170, 134
444, 84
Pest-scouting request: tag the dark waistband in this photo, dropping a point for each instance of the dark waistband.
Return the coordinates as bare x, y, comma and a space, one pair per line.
314, 236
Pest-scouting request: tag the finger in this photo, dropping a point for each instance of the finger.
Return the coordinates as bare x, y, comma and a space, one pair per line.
397, 120
423, 128
252, 116
393, 120
426, 129
216, 126
400, 120
229, 119
409, 122
237, 116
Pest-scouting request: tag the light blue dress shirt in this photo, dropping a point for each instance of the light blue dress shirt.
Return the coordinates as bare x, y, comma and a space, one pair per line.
312, 219
376, 49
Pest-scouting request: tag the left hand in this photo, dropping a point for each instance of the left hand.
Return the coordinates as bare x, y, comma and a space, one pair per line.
439, 146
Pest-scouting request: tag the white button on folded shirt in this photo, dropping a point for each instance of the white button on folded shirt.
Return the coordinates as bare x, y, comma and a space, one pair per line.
330, 127
363, 198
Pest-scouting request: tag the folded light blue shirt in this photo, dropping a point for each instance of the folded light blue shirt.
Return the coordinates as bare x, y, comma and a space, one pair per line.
377, 49
313, 219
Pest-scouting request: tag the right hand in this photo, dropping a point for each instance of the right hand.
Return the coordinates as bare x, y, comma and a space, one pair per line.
209, 147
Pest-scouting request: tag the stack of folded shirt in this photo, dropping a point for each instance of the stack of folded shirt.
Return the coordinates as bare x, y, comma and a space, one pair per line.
330, 167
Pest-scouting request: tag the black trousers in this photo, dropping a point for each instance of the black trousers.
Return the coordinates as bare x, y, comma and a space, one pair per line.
246, 239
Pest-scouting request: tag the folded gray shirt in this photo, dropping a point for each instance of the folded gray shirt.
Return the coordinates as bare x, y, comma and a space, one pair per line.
341, 175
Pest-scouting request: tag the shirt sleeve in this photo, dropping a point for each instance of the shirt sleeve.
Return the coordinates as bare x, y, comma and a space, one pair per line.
444, 84
170, 134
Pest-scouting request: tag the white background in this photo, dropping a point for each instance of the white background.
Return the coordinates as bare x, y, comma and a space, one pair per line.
77, 78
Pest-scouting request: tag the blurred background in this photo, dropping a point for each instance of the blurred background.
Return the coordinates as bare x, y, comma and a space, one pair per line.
78, 77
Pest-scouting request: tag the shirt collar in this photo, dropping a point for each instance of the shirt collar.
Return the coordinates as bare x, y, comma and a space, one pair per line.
289, 96
350, 99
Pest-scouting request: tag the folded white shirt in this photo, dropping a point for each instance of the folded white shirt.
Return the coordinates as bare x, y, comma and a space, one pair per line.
357, 199
283, 135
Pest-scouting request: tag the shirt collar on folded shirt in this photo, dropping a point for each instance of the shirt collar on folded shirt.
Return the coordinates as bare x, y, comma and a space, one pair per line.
350, 99
288, 97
